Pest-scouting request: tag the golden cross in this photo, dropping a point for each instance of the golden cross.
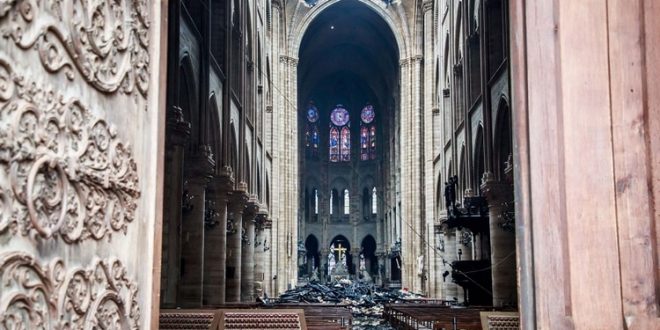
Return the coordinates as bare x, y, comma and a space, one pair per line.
341, 251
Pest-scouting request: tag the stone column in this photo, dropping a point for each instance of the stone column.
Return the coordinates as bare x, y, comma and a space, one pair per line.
449, 288
355, 255
237, 200
268, 256
502, 241
215, 242
199, 172
323, 271
247, 252
178, 132
380, 272
259, 253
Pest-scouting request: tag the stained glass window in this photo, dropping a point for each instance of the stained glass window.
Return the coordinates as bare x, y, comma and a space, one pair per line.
364, 143
345, 144
368, 133
312, 131
374, 201
347, 202
332, 199
334, 144
340, 135
316, 201
372, 147
368, 114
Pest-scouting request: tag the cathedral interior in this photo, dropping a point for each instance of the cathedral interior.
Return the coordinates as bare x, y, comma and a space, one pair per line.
174, 158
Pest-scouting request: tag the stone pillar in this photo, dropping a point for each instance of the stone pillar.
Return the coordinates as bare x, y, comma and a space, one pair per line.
380, 272
355, 255
268, 256
215, 242
198, 172
449, 288
237, 200
259, 253
247, 250
323, 271
502, 241
178, 132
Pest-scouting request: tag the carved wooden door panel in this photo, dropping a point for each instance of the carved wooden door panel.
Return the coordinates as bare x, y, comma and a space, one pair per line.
79, 135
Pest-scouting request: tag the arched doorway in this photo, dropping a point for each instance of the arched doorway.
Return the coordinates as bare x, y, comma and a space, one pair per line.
368, 253
313, 256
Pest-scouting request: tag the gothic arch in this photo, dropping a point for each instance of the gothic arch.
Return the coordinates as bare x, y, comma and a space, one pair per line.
463, 172
187, 101
479, 157
233, 149
503, 138
213, 129
300, 26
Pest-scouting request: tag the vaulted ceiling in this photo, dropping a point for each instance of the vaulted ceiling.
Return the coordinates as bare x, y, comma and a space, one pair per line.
348, 55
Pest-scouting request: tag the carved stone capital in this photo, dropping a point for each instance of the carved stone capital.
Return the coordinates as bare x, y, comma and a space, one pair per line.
237, 201
223, 181
261, 219
251, 208
427, 5
201, 166
177, 126
496, 192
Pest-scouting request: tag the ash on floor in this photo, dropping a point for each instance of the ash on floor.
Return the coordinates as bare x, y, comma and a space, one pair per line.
370, 323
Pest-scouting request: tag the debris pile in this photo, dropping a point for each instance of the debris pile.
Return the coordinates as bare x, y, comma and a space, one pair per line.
365, 300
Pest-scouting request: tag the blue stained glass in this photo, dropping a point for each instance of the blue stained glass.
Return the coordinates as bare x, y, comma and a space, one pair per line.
339, 116
368, 114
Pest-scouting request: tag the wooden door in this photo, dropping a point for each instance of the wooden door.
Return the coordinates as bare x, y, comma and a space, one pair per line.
586, 111
79, 139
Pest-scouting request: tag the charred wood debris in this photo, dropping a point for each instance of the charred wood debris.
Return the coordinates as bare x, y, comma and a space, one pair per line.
365, 300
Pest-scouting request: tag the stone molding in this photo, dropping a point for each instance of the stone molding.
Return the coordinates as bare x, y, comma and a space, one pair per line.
107, 43
63, 172
36, 295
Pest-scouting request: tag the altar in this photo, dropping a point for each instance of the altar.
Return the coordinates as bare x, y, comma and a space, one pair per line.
337, 270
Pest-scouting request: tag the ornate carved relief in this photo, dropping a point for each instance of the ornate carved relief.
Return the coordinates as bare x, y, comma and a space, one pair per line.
105, 40
62, 171
50, 296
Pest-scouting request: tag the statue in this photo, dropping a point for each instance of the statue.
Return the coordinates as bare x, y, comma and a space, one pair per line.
450, 193
363, 264
331, 261
315, 275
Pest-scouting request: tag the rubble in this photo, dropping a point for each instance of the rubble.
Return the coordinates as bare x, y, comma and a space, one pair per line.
364, 299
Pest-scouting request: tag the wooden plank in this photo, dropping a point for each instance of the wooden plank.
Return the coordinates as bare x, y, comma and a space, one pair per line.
523, 205
590, 204
546, 164
652, 115
632, 169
